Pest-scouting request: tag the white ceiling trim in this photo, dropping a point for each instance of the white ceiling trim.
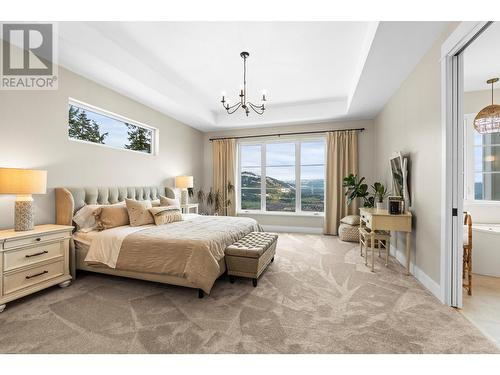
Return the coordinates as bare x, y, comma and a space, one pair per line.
146, 85
388, 53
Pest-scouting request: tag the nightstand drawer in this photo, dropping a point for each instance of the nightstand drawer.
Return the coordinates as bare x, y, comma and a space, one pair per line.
18, 242
36, 275
23, 257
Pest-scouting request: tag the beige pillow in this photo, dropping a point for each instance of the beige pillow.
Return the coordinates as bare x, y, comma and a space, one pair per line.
108, 217
85, 219
164, 201
166, 215
350, 220
138, 212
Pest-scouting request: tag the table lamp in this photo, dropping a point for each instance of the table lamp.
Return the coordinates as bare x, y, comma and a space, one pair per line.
183, 183
23, 183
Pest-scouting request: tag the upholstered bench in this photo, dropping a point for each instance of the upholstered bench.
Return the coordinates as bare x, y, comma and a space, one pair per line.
250, 256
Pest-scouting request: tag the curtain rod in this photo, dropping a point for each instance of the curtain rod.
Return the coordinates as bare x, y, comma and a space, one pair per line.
280, 134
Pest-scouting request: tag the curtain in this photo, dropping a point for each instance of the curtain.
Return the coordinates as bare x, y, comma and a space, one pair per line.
224, 172
341, 160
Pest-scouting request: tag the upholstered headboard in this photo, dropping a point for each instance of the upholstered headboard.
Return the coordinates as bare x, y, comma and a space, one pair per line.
70, 200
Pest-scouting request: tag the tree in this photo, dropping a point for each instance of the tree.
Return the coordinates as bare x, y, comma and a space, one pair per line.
83, 128
139, 138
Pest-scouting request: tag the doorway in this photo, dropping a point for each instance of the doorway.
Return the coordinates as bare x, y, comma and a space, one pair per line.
471, 232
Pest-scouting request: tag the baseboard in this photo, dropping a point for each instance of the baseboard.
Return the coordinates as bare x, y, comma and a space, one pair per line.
420, 275
292, 229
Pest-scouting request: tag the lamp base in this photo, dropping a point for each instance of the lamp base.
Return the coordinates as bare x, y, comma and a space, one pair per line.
184, 197
24, 216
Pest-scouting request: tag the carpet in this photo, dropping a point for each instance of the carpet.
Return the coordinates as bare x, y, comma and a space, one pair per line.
317, 297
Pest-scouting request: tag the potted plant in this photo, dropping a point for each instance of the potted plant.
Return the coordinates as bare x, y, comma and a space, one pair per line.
380, 192
355, 188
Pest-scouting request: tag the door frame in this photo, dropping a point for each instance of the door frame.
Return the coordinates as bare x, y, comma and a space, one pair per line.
452, 180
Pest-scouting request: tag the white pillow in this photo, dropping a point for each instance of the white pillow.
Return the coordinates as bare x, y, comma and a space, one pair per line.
84, 218
351, 220
164, 201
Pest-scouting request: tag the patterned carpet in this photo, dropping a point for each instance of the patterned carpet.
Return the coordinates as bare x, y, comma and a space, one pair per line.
317, 297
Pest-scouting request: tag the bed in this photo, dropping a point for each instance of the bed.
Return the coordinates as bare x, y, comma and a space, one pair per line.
188, 253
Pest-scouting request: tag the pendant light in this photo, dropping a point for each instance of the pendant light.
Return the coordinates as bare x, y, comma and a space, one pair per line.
488, 119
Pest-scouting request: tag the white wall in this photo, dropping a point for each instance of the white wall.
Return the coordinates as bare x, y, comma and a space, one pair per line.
34, 134
313, 224
411, 122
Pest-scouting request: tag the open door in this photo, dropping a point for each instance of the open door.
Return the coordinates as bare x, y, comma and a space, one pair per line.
457, 191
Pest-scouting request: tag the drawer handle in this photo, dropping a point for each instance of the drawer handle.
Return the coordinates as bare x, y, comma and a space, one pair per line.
36, 254
38, 239
36, 274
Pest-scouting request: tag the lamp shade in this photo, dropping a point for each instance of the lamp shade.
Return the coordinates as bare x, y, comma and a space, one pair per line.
184, 182
22, 181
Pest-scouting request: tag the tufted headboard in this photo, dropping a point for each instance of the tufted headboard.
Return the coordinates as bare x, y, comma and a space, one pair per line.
70, 200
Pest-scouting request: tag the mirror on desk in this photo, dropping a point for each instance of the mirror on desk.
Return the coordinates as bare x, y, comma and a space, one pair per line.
399, 171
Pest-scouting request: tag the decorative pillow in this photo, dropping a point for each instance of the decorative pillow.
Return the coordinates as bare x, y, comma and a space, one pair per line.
156, 203
138, 212
164, 201
166, 214
350, 220
113, 216
84, 218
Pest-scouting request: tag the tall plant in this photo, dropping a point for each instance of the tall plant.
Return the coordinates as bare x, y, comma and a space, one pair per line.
214, 202
355, 188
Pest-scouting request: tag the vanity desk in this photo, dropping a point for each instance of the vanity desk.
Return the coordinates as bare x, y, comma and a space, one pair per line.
380, 219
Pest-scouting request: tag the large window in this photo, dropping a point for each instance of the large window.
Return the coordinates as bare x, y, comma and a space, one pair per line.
286, 176
94, 125
482, 164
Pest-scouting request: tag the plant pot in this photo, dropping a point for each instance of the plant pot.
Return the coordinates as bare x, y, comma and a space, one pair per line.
379, 205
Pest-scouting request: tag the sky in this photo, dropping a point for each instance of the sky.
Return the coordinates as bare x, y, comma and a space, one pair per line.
280, 160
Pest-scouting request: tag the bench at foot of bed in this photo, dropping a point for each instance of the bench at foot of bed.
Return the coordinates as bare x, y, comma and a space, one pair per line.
250, 256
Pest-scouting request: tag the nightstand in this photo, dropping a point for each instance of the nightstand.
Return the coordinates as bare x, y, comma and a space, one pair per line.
33, 260
186, 208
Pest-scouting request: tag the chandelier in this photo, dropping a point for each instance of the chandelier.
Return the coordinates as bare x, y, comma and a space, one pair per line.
488, 119
243, 102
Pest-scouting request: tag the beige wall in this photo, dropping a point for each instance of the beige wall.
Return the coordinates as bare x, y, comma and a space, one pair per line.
411, 123
316, 223
33, 128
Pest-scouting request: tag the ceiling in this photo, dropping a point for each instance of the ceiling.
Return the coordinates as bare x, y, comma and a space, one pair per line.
482, 60
311, 71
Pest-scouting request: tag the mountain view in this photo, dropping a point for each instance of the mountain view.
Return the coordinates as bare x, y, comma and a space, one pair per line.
280, 195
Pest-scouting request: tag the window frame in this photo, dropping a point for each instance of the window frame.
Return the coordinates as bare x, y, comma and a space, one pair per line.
92, 108
469, 171
298, 186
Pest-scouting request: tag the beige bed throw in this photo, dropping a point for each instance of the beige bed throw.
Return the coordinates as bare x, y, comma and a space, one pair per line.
189, 249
